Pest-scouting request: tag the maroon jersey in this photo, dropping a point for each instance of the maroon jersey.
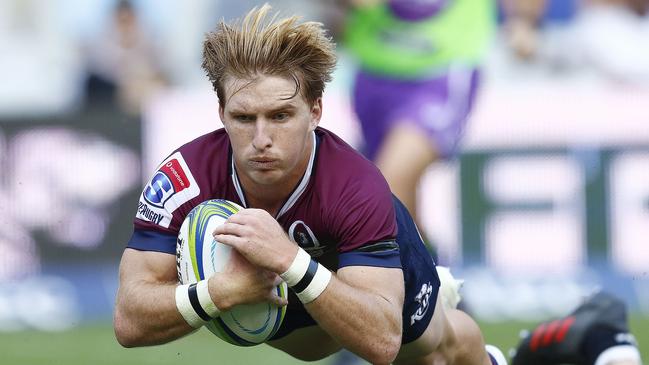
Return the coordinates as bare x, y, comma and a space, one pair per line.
339, 212
342, 212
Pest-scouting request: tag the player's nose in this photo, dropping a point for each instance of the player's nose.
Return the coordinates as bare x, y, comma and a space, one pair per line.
262, 138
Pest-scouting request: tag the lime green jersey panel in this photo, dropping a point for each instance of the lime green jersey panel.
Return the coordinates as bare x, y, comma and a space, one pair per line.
385, 44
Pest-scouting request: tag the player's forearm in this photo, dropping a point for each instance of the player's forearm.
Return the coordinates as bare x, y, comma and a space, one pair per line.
146, 314
362, 322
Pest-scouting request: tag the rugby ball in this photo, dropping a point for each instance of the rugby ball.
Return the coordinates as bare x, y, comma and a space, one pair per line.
199, 256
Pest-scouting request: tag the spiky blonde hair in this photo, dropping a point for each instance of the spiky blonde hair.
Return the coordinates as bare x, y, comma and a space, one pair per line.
258, 45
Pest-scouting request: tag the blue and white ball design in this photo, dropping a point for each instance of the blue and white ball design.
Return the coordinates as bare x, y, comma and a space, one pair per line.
199, 255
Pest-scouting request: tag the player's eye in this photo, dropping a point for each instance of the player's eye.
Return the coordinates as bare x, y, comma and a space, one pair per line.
281, 116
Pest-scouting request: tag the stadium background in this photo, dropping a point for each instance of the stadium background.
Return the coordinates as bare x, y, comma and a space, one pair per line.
548, 199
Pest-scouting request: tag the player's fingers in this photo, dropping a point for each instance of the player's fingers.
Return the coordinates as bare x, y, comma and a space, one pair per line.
229, 240
251, 211
248, 217
277, 281
271, 278
230, 228
276, 299
239, 217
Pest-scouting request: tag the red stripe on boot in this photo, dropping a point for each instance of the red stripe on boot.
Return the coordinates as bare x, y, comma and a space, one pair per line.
563, 329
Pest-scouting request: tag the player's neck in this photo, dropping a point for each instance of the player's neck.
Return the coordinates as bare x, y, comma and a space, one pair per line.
270, 198
272, 206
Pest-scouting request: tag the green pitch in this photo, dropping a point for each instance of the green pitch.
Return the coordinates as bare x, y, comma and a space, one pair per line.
96, 345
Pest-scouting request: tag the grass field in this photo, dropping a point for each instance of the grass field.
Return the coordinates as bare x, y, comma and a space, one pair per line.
95, 345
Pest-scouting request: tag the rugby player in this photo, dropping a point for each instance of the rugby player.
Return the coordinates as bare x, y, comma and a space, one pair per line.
311, 201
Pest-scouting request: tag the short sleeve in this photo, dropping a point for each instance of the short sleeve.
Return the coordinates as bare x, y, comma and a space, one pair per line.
144, 240
365, 225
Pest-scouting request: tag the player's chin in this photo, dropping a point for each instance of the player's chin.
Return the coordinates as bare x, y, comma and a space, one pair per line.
266, 176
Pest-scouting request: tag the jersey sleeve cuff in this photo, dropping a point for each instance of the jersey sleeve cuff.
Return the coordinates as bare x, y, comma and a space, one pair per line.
152, 241
389, 259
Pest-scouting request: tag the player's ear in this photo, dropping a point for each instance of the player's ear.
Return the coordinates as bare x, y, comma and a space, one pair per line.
316, 113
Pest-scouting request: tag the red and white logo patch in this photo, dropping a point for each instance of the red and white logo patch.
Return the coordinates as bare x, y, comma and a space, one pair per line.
170, 187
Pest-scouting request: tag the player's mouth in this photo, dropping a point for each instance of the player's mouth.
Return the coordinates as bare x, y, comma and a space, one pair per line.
263, 163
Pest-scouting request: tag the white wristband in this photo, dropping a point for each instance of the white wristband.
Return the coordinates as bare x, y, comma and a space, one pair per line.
306, 277
317, 285
297, 269
206, 300
195, 304
185, 307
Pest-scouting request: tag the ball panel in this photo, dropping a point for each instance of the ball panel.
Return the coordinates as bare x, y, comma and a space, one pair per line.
282, 292
202, 221
200, 255
223, 331
184, 264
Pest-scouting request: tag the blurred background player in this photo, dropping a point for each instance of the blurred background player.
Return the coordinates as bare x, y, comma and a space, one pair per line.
417, 76
595, 333
605, 36
124, 65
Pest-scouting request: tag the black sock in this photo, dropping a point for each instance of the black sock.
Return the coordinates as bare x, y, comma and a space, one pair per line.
600, 339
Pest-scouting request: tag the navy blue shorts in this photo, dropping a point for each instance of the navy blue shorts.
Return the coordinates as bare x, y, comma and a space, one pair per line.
420, 276
421, 284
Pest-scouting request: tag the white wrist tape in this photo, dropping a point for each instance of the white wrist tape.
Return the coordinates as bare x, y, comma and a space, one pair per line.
195, 304
205, 299
185, 307
297, 269
316, 287
306, 277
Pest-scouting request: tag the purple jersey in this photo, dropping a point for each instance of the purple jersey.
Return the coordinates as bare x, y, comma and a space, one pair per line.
341, 204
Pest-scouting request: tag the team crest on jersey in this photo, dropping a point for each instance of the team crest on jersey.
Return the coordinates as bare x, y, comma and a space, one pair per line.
301, 234
170, 187
423, 298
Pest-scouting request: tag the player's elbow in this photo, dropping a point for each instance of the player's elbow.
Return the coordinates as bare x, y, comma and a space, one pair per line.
124, 340
125, 333
385, 350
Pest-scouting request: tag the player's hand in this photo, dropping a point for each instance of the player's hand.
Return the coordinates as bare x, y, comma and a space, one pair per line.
257, 236
240, 282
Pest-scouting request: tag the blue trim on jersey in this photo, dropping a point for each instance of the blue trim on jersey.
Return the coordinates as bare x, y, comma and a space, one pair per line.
389, 259
152, 241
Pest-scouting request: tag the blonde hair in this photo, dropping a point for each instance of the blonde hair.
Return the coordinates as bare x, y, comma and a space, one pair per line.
281, 47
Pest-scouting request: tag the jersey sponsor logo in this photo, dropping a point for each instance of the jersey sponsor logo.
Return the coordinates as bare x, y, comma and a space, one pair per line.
169, 188
170, 179
143, 210
301, 234
423, 298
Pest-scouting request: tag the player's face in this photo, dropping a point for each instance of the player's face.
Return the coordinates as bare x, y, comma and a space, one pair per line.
269, 128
